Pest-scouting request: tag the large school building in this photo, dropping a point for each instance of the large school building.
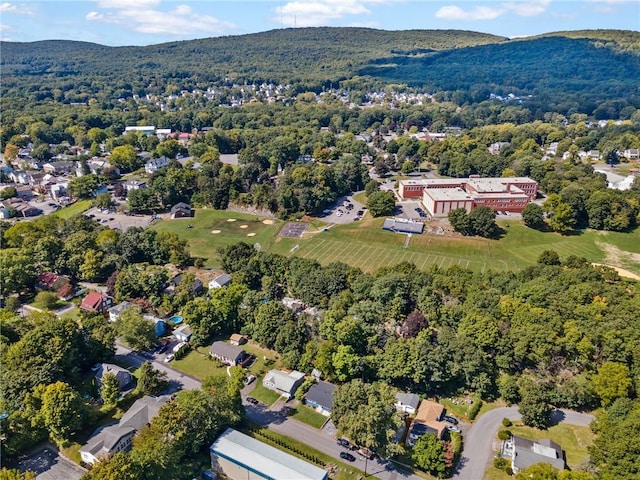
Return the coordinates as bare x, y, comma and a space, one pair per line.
441, 195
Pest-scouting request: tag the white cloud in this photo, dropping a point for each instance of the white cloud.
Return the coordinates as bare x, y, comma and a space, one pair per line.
528, 8
142, 16
478, 13
21, 9
4, 28
312, 13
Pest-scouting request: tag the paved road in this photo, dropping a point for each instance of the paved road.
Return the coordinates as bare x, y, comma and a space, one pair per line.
478, 443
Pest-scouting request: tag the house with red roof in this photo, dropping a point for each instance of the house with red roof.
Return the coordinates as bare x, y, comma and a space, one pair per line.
96, 302
52, 282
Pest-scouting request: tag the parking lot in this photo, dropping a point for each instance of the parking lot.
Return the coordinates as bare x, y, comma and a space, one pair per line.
48, 464
412, 210
118, 220
345, 210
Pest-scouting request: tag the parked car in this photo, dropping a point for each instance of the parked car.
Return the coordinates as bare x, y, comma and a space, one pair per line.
365, 452
450, 419
178, 346
252, 401
168, 358
249, 379
347, 456
343, 442
453, 428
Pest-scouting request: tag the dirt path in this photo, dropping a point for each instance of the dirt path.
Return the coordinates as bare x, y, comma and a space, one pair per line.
621, 271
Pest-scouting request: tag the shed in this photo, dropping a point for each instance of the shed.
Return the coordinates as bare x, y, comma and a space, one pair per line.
181, 210
183, 333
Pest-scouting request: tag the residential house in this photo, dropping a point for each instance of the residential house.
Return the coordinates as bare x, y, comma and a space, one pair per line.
96, 302
631, 154
525, 452
283, 383
134, 185
51, 281
228, 354
124, 377
197, 286
237, 339
59, 190
152, 165
496, 148
20, 176
294, 304
146, 129
427, 420
58, 168
320, 397
117, 310
159, 324
24, 192
116, 438
220, 281
552, 149
22, 209
183, 333
181, 210
594, 155
237, 456
407, 402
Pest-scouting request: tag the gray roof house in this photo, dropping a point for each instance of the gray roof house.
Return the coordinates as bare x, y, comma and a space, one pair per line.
117, 310
220, 281
525, 452
238, 456
124, 377
283, 383
227, 353
116, 438
183, 333
320, 397
407, 402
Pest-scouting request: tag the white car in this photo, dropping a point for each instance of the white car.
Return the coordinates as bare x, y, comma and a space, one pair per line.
339, 214
453, 428
249, 379
178, 346
168, 358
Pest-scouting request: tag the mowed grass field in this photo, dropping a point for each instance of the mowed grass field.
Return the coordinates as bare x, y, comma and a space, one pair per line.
365, 245
218, 228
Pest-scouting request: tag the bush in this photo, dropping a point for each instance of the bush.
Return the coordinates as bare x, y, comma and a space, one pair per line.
475, 409
48, 300
504, 435
500, 463
506, 422
186, 348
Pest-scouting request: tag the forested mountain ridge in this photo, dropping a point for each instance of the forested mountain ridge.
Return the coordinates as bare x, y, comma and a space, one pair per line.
582, 68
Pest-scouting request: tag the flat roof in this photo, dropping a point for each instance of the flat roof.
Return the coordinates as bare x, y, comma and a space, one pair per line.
263, 459
438, 194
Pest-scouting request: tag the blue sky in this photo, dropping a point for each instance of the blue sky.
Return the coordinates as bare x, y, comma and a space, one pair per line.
144, 22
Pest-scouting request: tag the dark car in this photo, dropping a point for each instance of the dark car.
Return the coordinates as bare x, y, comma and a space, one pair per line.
252, 401
347, 456
343, 442
450, 419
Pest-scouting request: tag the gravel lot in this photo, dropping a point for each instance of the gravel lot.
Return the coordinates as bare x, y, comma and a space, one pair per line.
119, 220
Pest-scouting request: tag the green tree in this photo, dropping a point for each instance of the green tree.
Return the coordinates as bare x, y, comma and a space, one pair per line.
93, 265
125, 158
539, 471
381, 203
117, 467
84, 186
549, 257
534, 406
532, 215
103, 200
562, 218
150, 380
17, 271
428, 453
110, 390
612, 381
483, 221
47, 300
135, 331
142, 200
371, 187
63, 410
364, 413
15, 474
459, 220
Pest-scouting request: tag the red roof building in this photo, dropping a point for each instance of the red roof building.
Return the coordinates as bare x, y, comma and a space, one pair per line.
96, 302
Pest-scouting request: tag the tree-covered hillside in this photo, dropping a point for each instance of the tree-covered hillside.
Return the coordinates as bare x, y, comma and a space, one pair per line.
564, 72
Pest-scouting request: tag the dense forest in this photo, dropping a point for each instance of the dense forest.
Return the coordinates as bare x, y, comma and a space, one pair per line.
575, 71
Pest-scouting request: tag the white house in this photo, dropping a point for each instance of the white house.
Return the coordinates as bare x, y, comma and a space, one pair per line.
407, 403
283, 383
220, 281
154, 164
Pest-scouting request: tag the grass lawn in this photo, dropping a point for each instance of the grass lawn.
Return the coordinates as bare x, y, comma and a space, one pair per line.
263, 394
203, 243
308, 415
495, 474
198, 364
73, 209
72, 314
573, 439
72, 452
365, 245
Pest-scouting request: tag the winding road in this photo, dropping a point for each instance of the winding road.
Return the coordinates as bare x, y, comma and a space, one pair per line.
478, 442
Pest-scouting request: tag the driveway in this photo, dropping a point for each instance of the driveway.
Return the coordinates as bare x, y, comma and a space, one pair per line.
48, 464
478, 443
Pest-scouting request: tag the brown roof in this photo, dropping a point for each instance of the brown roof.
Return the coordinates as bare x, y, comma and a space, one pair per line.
92, 301
429, 414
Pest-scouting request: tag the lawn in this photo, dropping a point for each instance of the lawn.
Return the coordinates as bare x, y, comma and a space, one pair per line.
199, 364
573, 439
263, 394
211, 229
308, 415
73, 209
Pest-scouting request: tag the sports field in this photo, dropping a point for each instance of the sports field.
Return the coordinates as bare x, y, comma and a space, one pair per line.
365, 245
210, 229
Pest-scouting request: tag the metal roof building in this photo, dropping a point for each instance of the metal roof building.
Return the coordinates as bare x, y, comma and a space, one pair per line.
241, 457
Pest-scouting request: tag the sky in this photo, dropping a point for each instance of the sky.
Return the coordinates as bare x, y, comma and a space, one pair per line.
146, 22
